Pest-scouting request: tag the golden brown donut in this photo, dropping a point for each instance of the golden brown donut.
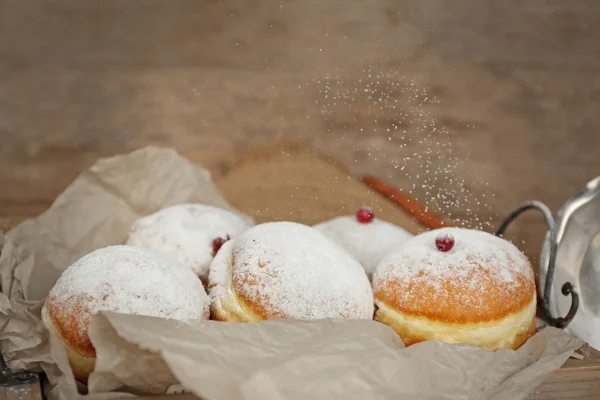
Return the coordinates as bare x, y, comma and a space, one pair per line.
122, 279
287, 270
457, 286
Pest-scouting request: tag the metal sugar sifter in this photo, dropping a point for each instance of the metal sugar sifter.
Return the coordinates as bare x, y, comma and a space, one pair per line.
570, 263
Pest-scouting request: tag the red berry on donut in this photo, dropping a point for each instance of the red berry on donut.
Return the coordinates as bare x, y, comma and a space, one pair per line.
365, 215
444, 242
218, 242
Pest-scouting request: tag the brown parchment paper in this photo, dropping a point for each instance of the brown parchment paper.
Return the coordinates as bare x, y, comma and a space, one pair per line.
267, 360
330, 359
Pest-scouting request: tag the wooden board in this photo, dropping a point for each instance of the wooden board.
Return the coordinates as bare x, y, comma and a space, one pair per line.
576, 380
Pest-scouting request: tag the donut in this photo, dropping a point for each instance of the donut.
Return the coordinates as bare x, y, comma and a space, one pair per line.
286, 270
189, 233
457, 286
367, 238
122, 279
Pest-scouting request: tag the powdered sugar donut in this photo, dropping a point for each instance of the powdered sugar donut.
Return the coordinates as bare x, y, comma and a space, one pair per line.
122, 279
367, 238
287, 270
189, 233
458, 286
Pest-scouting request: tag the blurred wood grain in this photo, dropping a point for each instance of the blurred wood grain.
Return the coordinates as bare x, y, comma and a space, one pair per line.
471, 107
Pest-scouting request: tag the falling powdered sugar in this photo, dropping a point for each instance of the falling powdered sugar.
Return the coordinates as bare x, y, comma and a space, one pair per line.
401, 133
294, 271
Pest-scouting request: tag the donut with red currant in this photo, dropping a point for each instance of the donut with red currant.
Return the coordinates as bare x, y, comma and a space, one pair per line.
458, 286
191, 234
364, 236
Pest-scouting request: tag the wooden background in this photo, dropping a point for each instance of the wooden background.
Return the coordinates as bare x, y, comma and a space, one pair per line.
473, 106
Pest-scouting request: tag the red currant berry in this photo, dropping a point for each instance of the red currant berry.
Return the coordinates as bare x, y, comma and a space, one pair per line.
365, 215
218, 242
444, 242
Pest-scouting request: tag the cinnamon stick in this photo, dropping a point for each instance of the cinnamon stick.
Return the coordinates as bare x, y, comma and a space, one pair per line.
410, 205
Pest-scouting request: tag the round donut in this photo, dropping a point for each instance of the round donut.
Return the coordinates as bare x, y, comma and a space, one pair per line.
189, 233
287, 270
368, 240
457, 286
122, 279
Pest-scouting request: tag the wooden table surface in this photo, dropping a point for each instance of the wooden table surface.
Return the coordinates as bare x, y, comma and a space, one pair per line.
474, 106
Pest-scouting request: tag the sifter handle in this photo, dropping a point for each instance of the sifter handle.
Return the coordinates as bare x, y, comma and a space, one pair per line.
567, 288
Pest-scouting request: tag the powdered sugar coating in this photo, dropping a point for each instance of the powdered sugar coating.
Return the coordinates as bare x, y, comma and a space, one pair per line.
367, 242
476, 257
127, 280
186, 232
219, 277
293, 271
